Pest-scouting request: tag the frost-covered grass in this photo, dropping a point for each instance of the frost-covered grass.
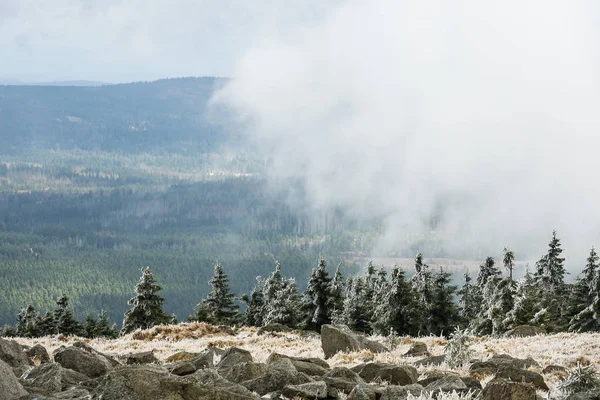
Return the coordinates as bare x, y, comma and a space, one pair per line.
564, 349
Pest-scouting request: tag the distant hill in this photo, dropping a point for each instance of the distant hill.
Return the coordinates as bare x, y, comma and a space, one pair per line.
16, 82
163, 116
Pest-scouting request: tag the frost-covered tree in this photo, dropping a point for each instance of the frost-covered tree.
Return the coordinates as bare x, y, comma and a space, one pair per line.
337, 293
255, 304
218, 307
396, 307
356, 313
27, 322
467, 305
284, 305
583, 295
46, 325
442, 317
549, 276
104, 328
484, 294
422, 283
509, 261
315, 300
147, 305
526, 302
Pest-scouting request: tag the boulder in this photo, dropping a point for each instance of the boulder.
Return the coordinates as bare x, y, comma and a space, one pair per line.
394, 374
245, 371
339, 338
309, 366
210, 377
10, 388
524, 331
206, 359
363, 391
590, 395
182, 356
13, 354
496, 362
417, 349
278, 375
38, 354
446, 384
434, 360
472, 383
521, 375
73, 394
145, 357
182, 368
498, 389
393, 392
52, 378
77, 359
233, 356
111, 359
309, 391
149, 381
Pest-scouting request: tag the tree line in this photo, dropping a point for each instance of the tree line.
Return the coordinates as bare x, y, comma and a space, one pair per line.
379, 301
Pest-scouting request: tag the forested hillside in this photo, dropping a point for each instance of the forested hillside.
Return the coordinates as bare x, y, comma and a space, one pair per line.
167, 115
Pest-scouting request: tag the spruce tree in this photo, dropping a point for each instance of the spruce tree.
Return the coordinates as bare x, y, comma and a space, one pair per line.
66, 323
356, 314
283, 306
104, 328
484, 294
582, 296
526, 302
315, 301
509, 261
90, 327
147, 305
46, 325
443, 312
467, 305
218, 307
422, 283
337, 289
396, 307
27, 322
255, 304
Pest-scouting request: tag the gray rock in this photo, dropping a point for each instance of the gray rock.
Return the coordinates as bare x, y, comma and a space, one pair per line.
339, 338
210, 377
434, 360
417, 349
38, 353
309, 366
521, 375
233, 356
446, 384
182, 368
275, 379
111, 359
394, 374
72, 394
393, 392
342, 379
524, 331
51, 378
145, 357
10, 388
591, 395
498, 389
309, 391
206, 359
496, 362
245, 371
472, 383
13, 354
80, 360
363, 391
149, 381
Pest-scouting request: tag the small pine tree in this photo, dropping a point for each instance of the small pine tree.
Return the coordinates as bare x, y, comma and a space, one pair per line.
526, 302
66, 323
583, 296
284, 305
396, 307
315, 302
46, 325
467, 306
458, 351
485, 293
27, 322
443, 312
422, 283
356, 315
147, 305
218, 307
90, 327
104, 328
255, 304
337, 289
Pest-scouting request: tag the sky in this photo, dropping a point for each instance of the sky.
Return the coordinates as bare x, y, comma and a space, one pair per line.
381, 107
132, 40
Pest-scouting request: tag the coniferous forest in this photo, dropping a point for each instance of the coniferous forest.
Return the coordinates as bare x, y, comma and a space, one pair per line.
94, 190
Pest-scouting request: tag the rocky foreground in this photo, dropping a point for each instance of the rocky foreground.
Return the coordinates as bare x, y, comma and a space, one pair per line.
195, 362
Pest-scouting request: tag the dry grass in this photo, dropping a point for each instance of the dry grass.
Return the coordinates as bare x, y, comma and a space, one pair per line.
564, 349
